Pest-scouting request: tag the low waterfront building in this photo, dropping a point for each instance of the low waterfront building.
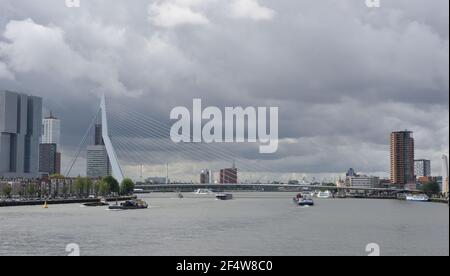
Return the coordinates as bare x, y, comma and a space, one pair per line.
363, 181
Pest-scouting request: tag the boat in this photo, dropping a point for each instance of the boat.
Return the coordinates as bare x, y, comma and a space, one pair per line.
203, 192
102, 202
417, 198
301, 200
130, 205
326, 194
224, 196
304, 201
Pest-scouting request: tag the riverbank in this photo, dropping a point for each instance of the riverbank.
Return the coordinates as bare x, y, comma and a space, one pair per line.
60, 201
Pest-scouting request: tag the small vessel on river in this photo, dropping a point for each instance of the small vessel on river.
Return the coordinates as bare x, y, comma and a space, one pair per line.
130, 205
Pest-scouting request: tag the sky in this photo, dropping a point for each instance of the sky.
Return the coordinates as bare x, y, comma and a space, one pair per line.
342, 74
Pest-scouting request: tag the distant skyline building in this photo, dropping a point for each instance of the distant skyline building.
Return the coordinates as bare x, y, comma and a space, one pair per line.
20, 132
49, 155
229, 176
49, 161
363, 181
97, 162
51, 133
351, 172
205, 177
444, 174
402, 158
422, 167
98, 135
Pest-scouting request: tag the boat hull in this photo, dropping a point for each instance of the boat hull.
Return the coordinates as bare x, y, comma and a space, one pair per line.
224, 196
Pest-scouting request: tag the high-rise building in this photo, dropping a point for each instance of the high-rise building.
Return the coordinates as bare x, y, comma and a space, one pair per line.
20, 131
444, 174
205, 177
229, 176
48, 159
351, 172
51, 130
97, 162
50, 136
402, 158
422, 168
98, 135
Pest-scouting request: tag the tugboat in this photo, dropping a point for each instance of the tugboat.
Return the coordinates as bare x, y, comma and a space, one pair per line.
130, 205
224, 196
301, 200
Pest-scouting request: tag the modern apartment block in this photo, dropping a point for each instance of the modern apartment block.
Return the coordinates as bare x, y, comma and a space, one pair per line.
422, 167
229, 176
49, 159
98, 165
20, 132
402, 158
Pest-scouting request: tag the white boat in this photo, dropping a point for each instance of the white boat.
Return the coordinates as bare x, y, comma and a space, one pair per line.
326, 194
203, 192
418, 198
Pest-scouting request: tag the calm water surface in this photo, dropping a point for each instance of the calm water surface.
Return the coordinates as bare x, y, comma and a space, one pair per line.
251, 224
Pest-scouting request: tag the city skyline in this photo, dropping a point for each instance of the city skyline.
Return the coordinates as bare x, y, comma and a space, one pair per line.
330, 119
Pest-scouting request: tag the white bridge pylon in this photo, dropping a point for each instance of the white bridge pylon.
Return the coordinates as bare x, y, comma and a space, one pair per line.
116, 169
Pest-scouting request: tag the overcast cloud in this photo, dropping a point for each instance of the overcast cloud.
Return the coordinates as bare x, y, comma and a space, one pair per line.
343, 75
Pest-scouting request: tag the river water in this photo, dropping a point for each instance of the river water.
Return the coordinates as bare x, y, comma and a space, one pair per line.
251, 224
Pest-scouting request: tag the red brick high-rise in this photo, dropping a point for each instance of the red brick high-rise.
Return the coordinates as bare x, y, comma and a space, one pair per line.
402, 158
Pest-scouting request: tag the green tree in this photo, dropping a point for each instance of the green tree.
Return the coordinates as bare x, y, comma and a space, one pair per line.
431, 188
80, 186
31, 190
113, 184
7, 191
88, 185
127, 187
103, 188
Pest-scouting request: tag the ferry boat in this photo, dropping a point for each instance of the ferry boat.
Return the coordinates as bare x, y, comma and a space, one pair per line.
224, 196
417, 198
326, 194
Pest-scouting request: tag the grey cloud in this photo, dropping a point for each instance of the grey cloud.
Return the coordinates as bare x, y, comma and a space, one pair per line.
343, 75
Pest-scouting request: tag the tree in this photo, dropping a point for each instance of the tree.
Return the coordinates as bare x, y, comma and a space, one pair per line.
7, 191
79, 186
113, 184
31, 190
103, 188
88, 185
431, 188
127, 187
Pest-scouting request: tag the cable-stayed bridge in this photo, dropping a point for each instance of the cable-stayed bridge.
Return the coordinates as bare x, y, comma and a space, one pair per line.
134, 140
